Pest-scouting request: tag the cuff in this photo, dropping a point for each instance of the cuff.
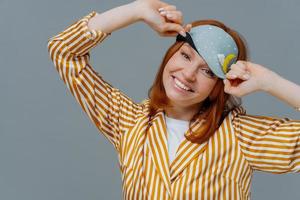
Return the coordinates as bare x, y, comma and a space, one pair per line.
79, 38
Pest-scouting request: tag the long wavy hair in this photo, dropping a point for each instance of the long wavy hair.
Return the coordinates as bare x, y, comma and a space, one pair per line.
215, 107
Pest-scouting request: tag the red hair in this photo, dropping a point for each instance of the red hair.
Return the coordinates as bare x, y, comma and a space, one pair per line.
215, 107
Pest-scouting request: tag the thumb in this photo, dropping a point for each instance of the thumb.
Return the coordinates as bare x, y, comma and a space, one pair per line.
188, 27
174, 27
239, 90
228, 88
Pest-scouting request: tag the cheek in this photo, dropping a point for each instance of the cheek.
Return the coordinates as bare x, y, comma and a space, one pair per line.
174, 62
206, 86
165, 74
169, 68
165, 79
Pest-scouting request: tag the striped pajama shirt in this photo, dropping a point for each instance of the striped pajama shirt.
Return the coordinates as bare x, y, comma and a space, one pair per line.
220, 168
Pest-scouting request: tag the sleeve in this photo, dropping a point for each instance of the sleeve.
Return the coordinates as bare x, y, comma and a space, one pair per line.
269, 144
107, 107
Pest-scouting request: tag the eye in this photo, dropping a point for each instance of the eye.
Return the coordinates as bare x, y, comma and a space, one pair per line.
208, 72
186, 56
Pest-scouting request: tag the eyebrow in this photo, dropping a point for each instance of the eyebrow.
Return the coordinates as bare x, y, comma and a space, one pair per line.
191, 51
189, 48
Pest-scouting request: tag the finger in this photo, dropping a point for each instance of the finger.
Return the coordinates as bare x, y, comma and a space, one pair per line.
238, 66
238, 71
227, 86
175, 16
242, 71
177, 12
232, 89
231, 75
169, 34
242, 65
238, 75
188, 27
173, 27
168, 7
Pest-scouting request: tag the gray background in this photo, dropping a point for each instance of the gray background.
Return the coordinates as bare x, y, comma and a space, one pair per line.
48, 147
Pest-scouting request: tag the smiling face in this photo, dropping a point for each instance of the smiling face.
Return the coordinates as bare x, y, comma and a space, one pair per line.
187, 78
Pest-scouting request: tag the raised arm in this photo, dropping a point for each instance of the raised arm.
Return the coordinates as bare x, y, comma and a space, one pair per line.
258, 78
107, 107
268, 143
148, 11
284, 90
116, 18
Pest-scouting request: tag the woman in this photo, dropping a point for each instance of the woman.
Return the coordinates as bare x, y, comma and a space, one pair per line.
191, 139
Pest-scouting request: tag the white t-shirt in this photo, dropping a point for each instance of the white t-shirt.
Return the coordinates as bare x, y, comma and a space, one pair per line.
176, 129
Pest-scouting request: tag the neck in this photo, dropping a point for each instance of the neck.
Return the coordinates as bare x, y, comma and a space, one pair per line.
182, 113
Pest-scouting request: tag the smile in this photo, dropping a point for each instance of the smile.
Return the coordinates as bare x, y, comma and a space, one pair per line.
181, 85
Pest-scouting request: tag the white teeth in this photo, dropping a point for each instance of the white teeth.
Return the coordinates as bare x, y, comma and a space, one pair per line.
181, 85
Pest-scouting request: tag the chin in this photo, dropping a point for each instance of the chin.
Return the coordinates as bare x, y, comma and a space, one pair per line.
179, 101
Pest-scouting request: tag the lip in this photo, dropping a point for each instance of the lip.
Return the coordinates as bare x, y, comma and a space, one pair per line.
184, 82
177, 88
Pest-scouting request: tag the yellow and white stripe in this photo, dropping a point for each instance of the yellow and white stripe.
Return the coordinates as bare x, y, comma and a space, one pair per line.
220, 168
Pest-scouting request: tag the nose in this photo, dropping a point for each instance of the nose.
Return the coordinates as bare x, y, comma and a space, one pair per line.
189, 73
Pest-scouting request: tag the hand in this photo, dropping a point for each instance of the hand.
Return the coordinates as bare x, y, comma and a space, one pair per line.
162, 17
246, 77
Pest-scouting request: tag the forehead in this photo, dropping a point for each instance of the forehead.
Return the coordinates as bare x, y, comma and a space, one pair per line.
186, 45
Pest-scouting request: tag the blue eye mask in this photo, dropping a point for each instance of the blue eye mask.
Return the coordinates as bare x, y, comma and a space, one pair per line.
214, 45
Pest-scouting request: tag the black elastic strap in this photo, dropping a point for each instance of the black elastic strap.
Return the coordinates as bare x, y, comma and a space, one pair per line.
187, 39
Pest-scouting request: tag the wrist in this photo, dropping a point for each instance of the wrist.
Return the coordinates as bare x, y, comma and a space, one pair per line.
137, 9
269, 81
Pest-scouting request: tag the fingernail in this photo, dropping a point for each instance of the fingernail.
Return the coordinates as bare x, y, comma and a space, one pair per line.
161, 9
182, 33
